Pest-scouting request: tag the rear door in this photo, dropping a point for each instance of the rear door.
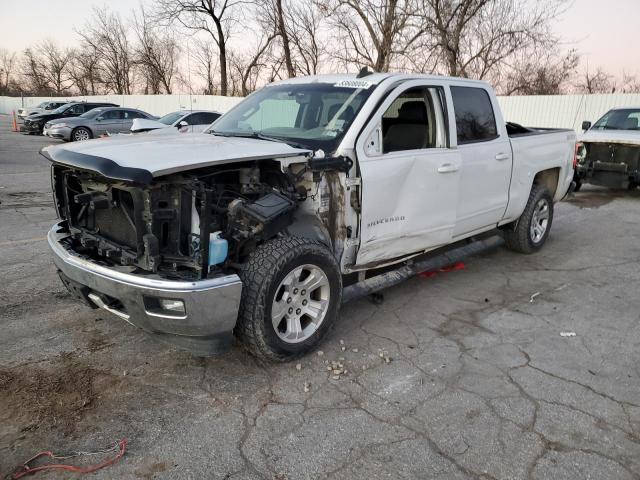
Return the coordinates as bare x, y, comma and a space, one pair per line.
409, 174
201, 120
128, 117
110, 121
486, 158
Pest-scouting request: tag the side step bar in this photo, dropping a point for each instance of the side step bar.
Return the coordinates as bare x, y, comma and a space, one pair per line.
388, 279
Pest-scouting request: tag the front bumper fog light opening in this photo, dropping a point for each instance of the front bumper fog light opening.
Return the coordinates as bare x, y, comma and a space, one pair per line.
165, 307
172, 305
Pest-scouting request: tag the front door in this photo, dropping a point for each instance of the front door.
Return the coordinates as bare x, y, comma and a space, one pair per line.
409, 175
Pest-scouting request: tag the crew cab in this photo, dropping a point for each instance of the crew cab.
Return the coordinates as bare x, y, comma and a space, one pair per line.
306, 190
608, 152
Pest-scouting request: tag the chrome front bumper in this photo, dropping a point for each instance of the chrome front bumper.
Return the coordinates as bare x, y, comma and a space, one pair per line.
210, 306
62, 133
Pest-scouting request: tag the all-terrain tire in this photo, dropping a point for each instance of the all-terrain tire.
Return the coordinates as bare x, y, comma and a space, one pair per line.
261, 279
519, 236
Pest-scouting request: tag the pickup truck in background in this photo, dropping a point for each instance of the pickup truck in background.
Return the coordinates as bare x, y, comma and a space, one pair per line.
307, 188
608, 153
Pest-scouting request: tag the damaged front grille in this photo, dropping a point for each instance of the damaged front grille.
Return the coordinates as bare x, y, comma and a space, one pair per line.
160, 227
611, 164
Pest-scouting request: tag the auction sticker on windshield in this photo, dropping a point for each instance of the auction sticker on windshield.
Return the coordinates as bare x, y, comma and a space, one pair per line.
353, 84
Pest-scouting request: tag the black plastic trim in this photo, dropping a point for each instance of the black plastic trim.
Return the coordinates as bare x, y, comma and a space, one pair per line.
103, 166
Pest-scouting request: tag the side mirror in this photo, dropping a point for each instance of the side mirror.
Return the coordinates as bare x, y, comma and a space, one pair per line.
183, 123
99, 119
586, 125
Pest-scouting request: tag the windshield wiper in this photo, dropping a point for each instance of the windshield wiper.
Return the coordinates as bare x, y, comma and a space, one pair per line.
260, 136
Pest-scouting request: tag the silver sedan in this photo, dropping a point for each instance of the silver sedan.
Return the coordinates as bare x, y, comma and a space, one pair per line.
94, 123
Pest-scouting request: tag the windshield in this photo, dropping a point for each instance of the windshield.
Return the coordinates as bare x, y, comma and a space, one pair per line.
315, 116
92, 113
61, 108
171, 118
622, 119
42, 105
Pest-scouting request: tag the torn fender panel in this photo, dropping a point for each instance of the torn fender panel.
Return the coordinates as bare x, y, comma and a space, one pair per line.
132, 158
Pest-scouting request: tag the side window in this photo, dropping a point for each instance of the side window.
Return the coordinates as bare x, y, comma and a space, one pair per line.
112, 115
413, 121
475, 121
202, 118
76, 110
131, 114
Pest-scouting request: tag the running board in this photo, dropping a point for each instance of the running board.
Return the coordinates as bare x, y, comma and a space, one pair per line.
388, 279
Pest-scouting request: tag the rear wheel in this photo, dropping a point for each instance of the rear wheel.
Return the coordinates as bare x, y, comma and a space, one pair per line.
531, 230
291, 294
80, 134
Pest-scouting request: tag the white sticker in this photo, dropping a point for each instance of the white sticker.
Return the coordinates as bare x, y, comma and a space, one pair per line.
353, 84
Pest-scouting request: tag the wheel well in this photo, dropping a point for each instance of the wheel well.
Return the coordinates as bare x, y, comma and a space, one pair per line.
86, 128
548, 178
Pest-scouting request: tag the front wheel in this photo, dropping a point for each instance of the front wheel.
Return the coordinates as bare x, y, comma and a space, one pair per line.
291, 294
532, 228
80, 134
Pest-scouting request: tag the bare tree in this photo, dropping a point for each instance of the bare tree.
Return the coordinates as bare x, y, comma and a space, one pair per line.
597, 82
629, 84
216, 17
156, 54
248, 68
538, 73
106, 35
475, 37
303, 22
205, 59
84, 72
8, 61
45, 67
374, 32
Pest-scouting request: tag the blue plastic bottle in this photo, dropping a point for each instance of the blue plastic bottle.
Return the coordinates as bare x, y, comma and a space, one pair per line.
217, 248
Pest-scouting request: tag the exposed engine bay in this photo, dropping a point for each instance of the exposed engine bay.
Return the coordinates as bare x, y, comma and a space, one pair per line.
609, 164
185, 225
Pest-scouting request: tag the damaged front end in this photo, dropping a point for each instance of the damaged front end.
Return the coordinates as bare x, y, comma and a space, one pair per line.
608, 164
170, 226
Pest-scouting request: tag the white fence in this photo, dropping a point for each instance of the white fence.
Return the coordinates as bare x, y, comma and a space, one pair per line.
551, 111
154, 104
562, 111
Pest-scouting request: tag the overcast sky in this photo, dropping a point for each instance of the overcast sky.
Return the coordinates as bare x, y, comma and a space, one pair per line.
605, 32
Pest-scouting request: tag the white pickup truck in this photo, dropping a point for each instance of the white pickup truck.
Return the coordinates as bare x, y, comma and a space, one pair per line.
300, 196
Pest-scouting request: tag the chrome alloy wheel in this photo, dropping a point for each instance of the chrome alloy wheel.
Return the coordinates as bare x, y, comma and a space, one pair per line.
300, 304
539, 220
80, 135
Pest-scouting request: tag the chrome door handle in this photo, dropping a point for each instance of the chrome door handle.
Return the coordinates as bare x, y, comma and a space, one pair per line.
502, 156
447, 168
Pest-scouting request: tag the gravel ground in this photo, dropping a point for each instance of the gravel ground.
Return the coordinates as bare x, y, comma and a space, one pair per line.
461, 375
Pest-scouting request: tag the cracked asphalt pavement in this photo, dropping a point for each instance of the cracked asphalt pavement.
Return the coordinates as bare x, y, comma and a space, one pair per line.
478, 381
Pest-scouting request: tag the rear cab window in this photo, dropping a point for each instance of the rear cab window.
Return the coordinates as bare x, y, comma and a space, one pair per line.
475, 119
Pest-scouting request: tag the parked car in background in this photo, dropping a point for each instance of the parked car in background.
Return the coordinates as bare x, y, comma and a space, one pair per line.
193, 121
608, 152
35, 123
95, 122
255, 227
47, 106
